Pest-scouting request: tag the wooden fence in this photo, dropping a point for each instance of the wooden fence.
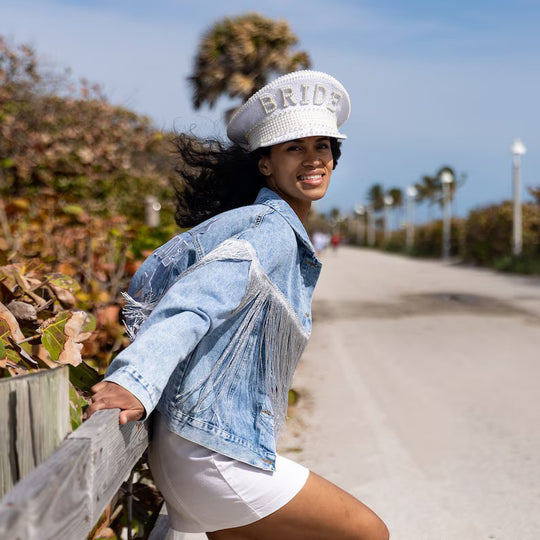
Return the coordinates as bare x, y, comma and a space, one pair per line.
34, 420
65, 495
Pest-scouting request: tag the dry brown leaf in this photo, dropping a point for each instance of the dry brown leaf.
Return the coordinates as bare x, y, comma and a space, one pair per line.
11, 322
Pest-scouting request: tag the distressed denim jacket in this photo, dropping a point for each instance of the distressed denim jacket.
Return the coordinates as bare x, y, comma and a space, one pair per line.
219, 317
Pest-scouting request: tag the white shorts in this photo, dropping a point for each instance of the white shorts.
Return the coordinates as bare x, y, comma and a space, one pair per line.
205, 491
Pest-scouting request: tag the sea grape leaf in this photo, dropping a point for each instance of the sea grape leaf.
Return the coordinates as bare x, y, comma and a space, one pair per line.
9, 325
53, 336
64, 287
63, 281
4, 334
9, 329
63, 335
77, 404
14, 276
7, 276
83, 376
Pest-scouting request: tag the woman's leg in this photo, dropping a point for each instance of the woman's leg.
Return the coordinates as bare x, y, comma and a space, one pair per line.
320, 510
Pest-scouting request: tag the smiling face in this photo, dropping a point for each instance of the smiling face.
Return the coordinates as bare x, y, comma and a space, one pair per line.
299, 171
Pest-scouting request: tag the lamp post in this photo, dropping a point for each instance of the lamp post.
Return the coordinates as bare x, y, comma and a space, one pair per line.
446, 180
412, 192
517, 149
152, 208
388, 201
360, 211
370, 226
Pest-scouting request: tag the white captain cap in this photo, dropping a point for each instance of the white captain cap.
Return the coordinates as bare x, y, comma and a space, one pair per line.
299, 104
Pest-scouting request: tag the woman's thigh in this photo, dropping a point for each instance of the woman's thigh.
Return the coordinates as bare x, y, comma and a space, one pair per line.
321, 510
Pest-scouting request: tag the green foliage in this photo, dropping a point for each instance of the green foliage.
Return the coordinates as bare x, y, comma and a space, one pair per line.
488, 235
535, 193
396, 242
83, 376
86, 260
428, 238
483, 238
146, 239
431, 189
519, 264
36, 331
95, 156
397, 196
375, 196
63, 333
77, 406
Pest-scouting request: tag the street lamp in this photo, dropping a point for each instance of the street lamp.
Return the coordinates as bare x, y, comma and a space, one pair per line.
152, 208
517, 149
446, 180
412, 192
371, 226
360, 211
388, 201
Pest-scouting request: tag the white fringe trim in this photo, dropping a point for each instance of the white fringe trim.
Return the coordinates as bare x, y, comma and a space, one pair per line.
283, 336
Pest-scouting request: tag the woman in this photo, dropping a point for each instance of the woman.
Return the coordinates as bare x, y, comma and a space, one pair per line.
220, 316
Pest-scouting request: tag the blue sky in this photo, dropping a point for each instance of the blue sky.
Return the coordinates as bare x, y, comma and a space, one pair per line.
431, 83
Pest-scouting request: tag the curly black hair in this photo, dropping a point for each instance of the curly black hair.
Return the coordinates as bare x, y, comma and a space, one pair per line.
216, 177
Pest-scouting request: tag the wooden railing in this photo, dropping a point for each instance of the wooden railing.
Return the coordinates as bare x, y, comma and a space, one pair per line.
65, 495
34, 420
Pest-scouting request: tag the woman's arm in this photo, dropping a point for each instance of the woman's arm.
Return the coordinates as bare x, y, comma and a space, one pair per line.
198, 302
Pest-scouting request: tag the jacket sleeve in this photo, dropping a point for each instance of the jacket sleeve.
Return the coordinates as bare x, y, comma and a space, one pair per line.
199, 301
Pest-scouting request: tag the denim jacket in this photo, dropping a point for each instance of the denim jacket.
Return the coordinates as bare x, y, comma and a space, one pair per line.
219, 317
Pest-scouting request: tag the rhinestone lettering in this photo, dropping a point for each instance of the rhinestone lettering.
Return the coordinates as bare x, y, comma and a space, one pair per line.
320, 96
287, 95
268, 103
335, 97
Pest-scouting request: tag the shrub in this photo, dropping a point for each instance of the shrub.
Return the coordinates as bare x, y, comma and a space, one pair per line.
488, 236
101, 157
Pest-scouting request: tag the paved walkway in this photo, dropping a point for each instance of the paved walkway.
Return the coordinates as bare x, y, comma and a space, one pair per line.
420, 395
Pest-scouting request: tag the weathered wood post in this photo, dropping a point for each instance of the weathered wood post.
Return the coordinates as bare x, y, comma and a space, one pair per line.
34, 420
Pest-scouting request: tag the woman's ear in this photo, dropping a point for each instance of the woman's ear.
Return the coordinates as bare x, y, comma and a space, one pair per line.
264, 166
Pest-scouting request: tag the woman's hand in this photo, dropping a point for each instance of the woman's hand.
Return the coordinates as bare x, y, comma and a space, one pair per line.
109, 395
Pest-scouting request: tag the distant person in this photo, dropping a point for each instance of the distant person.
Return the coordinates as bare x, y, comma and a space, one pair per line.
335, 240
220, 316
320, 242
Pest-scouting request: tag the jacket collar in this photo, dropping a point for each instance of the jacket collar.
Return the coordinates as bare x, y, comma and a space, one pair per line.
271, 198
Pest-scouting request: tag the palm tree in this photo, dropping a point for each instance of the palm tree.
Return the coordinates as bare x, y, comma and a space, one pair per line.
431, 186
428, 189
375, 196
238, 55
535, 193
397, 201
397, 196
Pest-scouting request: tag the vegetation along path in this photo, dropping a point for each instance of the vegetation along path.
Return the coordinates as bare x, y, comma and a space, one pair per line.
419, 394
